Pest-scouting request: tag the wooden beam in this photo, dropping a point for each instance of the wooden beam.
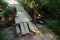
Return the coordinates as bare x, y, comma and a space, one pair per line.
22, 28
31, 26
26, 27
17, 30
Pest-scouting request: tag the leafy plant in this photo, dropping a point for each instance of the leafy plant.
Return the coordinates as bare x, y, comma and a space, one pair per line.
1, 14
4, 4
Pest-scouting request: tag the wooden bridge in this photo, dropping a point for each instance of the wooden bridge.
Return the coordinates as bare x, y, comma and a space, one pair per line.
23, 19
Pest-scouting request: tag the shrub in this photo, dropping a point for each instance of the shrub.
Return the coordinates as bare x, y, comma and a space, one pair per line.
54, 25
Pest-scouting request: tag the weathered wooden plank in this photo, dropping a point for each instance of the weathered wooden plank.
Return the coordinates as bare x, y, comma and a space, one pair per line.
22, 28
17, 20
26, 27
31, 26
35, 27
17, 30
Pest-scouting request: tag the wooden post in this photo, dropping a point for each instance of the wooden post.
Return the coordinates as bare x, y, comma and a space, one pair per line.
34, 13
34, 16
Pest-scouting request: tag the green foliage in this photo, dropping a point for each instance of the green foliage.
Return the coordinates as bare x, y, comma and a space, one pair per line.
54, 25
54, 5
1, 14
3, 3
1, 36
14, 9
58, 38
7, 12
